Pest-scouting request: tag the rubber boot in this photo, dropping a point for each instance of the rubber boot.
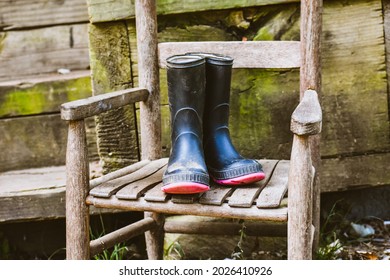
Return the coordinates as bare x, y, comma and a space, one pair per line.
225, 165
186, 172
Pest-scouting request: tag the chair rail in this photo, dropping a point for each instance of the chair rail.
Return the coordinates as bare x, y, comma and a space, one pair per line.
95, 105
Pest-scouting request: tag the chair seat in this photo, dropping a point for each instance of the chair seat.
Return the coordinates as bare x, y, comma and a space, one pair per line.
140, 190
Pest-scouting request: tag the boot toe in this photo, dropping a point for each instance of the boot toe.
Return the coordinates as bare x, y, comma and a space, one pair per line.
240, 172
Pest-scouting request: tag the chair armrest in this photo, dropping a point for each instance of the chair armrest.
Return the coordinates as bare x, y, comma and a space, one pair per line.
307, 117
91, 106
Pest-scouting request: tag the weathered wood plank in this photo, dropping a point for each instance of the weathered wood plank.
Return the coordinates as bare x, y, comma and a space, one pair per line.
354, 79
267, 54
124, 9
110, 66
216, 195
136, 189
47, 49
245, 195
185, 198
98, 104
156, 194
345, 173
273, 193
21, 14
42, 95
37, 141
386, 24
225, 211
111, 187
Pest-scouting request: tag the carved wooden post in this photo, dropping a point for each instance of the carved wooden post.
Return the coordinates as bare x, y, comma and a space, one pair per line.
77, 187
310, 78
306, 120
150, 116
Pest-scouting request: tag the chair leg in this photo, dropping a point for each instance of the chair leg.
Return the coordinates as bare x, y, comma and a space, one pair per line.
299, 233
77, 186
155, 238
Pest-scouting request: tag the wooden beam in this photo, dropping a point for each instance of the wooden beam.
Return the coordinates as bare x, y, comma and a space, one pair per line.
266, 54
48, 49
120, 10
225, 228
95, 105
41, 95
26, 14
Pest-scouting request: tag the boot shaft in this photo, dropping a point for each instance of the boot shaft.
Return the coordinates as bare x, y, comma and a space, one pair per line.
186, 93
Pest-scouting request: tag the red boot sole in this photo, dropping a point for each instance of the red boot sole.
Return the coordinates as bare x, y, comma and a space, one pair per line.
243, 180
185, 188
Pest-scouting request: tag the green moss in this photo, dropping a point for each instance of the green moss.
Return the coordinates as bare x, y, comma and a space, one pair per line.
264, 34
43, 97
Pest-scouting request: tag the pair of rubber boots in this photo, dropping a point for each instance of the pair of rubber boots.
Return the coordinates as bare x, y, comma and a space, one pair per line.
199, 95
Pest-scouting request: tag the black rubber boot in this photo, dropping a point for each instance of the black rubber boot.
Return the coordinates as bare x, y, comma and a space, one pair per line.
186, 171
225, 165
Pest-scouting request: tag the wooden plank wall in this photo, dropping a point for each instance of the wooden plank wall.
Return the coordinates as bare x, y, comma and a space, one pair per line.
355, 139
38, 38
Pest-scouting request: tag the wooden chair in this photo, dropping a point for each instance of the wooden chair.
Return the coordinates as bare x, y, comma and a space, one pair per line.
137, 187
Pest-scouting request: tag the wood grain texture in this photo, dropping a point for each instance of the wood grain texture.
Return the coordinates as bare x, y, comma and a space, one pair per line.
124, 9
307, 117
42, 94
300, 195
95, 105
148, 77
273, 193
246, 54
136, 189
246, 195
216, 195
108, 188
48, 49
310, 78
110, 67
77, 187
26, 14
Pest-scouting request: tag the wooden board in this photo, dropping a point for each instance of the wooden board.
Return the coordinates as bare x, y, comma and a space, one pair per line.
248, 54
37, 141
156, 194
355, 104
47, 49
124, 9
110, 65
245, 195
113, 186
273, 193
42, 95
22, 14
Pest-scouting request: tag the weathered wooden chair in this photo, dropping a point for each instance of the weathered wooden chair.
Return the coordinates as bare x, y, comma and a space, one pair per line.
137, 187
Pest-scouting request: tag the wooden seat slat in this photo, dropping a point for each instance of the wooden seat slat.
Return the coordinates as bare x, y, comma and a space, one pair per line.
111, 187
155, 194
245, 196
185, 198
136, 189
216, 195
273, 193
